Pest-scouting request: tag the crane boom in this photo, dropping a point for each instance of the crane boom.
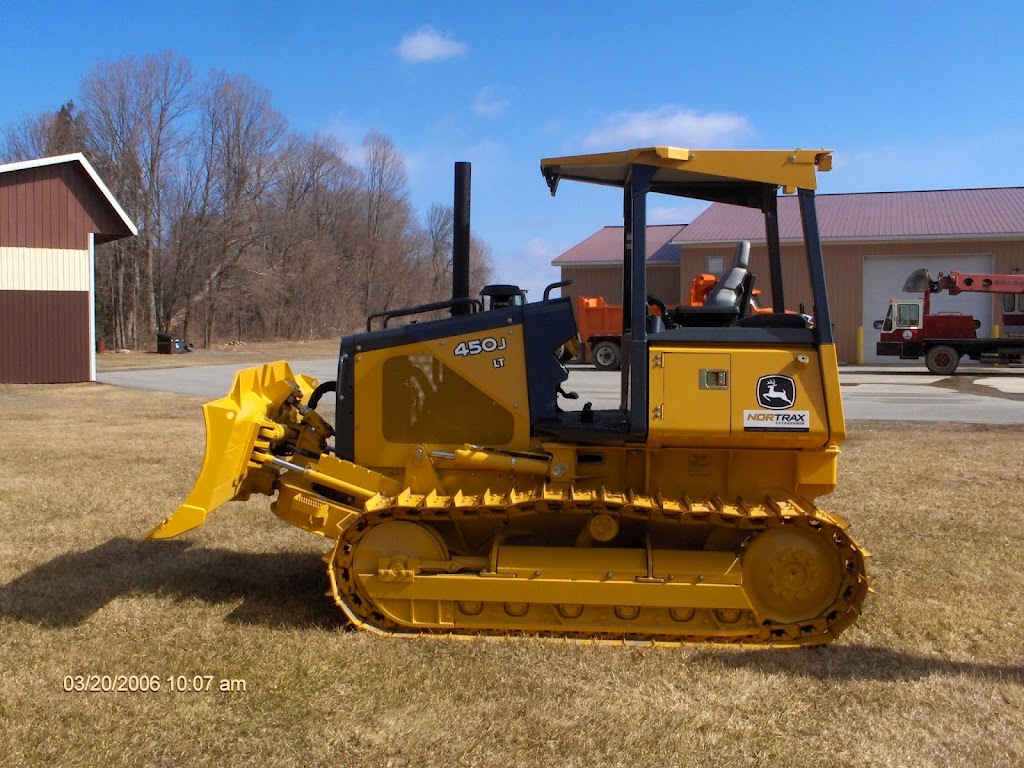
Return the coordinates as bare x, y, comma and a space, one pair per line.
963, 282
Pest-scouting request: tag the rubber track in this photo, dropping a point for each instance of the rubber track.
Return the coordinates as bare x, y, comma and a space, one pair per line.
713, 511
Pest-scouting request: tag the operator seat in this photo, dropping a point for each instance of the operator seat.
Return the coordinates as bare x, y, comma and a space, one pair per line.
733, 288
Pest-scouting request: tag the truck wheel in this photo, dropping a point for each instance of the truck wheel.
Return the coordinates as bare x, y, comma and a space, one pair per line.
942, 360
606, 356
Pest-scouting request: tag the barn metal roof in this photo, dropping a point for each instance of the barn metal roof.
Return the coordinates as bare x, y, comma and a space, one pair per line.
605, 247
949, 214
76, 157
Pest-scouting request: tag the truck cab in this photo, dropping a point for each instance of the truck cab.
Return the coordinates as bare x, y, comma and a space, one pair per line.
908, 324
910, 331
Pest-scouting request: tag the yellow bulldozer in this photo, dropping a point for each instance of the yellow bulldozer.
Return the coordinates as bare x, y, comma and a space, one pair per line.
463, 499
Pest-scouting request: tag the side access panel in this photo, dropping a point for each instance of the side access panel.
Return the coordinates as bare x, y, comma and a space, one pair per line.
467, 388
746, 397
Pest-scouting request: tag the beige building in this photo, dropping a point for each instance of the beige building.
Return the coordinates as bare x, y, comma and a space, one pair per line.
871, 242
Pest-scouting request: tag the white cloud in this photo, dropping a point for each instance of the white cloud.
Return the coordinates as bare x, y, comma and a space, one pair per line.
427, 44
669, 125
529, 267
676, 214
908, 167
950, 162
346, 130
488, 104
485, 150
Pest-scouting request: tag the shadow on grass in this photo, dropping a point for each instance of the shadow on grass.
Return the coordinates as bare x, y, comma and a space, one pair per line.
286, 589
862, 662
279, 589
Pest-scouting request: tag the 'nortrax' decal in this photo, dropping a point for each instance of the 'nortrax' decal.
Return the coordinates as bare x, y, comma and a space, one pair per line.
774, 421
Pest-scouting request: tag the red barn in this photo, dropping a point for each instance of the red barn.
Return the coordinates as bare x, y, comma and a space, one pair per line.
53, 213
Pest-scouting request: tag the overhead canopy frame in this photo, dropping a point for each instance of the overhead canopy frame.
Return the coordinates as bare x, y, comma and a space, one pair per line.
734, 176
749, 178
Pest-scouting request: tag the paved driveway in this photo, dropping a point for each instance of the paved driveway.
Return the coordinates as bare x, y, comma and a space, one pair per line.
972, 395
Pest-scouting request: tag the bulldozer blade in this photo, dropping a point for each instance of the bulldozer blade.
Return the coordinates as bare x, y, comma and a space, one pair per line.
232, 428
919, 281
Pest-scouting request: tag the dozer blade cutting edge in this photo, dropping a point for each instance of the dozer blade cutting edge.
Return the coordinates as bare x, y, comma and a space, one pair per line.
233, 423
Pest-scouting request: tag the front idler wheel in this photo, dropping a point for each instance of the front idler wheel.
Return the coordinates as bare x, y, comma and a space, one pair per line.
389, 548
792, 574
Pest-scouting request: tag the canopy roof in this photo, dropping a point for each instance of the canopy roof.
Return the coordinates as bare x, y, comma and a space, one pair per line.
735, 176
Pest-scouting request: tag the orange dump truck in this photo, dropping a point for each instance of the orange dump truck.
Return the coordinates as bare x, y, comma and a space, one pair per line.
600, 323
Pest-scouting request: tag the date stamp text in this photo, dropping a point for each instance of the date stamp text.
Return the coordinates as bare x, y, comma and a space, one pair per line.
153, 684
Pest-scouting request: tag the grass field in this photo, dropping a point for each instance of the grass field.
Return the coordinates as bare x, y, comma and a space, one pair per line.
932, 675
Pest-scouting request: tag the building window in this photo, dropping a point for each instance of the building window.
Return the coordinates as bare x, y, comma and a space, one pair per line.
716, 265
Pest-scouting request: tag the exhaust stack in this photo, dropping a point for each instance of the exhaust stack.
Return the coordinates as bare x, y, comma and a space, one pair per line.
460, 237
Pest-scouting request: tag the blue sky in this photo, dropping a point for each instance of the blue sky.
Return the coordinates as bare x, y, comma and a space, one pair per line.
909, 95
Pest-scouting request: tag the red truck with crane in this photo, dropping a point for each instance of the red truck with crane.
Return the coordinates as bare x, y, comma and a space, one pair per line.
911, 330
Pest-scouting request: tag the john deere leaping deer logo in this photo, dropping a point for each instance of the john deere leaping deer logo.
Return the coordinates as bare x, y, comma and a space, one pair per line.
776, 392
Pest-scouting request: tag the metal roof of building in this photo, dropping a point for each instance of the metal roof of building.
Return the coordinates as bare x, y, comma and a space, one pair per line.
949, 214
605, 247
79, 158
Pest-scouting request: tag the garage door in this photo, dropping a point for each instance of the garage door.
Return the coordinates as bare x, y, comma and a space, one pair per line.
883, 280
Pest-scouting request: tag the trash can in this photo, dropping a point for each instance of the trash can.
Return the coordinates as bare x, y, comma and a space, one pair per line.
168, 344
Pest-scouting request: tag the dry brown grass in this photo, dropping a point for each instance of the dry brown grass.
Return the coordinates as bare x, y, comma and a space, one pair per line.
933, 675
244, 353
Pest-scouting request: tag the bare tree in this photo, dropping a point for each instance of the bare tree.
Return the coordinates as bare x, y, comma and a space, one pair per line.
240, 134
244, 228
440, 236
44, 135
190, 240
387, 245
26, 139
136, 111
439, 231
481, 265
313, 194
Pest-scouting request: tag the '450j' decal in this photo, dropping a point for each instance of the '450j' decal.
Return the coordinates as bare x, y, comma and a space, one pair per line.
477, 346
